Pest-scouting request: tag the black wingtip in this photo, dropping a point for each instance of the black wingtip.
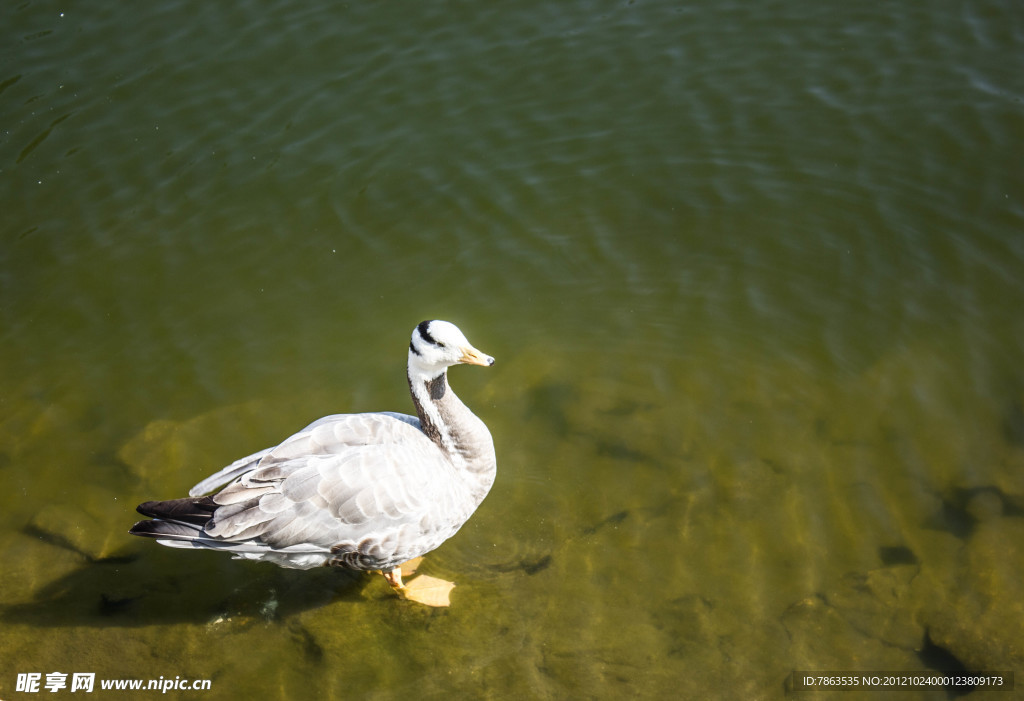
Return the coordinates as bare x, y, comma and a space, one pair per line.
166, 530
146, 509
193, 510
146, 529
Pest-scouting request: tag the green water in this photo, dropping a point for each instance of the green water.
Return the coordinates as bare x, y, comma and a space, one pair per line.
751, 273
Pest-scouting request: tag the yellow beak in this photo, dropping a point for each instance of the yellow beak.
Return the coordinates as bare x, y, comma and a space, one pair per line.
472, 356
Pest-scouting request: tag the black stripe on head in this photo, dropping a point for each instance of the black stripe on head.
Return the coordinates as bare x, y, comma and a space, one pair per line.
425, 334
413, 349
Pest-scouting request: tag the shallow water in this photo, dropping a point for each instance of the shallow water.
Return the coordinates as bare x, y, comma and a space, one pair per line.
750, 272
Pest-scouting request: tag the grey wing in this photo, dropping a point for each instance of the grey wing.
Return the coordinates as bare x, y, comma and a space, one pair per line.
343, 427
368, 484
232, 471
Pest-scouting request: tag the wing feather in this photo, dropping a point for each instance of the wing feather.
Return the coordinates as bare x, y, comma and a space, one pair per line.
363, 489
341, 478
302, 484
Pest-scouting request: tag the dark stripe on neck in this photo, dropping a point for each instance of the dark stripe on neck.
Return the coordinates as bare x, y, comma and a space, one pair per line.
426, 423
422, 328
412, 348
436, 387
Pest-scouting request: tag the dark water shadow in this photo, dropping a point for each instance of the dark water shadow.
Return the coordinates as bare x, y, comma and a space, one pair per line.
964, 508
163, 586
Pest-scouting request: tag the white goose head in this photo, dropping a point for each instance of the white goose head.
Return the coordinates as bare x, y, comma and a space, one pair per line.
437, 345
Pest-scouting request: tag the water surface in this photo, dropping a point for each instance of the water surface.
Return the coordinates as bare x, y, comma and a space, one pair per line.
750, 271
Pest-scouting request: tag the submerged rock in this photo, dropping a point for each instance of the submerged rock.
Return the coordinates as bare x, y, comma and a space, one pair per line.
177, 454
879, 604
1009, 478
88, 522
966, 601
979, 618
824, 637
71, 528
